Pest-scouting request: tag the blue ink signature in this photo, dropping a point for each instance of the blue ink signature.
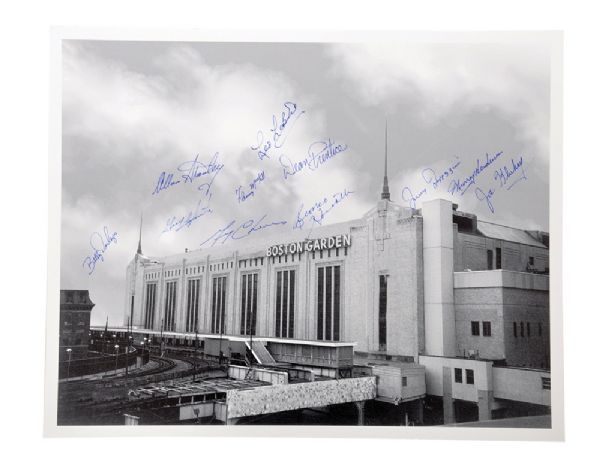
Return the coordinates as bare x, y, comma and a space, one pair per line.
504, 174
243, 230
317, 212
177, 223
165, 181
99, 244
458, 186
190, 171
430, 176
242, 195
318, 153
411, 198
278, 137
487, 197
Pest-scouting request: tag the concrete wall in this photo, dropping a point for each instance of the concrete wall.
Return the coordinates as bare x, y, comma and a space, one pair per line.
264, 375
504, 298
471, 253
276, 398
438, 266
461, 391
389, 382
521, 385
480, 304
527, 306
387, 242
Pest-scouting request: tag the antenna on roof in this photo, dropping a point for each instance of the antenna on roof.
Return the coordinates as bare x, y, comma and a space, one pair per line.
385, 193
139, 249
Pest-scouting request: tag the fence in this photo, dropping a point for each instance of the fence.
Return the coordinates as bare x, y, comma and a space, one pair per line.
97, 364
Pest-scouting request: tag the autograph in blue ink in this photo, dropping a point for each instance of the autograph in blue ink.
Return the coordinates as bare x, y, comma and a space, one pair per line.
487, 197
189, 172
461, 187
176, 223
235, 230
278, 135
318, 153
99, 244
316, 213
408, 196
506, 177
505, 174
430, 176
243, 195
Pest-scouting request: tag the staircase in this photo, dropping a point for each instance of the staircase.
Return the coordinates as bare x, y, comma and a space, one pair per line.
261, 353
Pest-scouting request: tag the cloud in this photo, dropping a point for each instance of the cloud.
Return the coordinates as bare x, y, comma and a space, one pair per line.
435, 81
122, 128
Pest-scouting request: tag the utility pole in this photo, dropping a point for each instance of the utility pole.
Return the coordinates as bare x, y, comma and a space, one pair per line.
162, 326
195, 352
127, 335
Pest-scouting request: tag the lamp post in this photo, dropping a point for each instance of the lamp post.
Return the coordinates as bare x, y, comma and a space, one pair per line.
195, 351
116, 357
251, 332
69, 351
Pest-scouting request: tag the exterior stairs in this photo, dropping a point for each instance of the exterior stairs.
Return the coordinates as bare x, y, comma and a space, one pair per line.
261, 353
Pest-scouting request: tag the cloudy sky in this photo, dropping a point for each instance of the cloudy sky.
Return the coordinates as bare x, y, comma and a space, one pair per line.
135, 110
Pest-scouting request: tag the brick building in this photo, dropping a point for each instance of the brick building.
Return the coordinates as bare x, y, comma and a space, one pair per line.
75, 309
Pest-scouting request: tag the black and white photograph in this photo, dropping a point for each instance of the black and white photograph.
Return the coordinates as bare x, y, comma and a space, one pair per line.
350, 231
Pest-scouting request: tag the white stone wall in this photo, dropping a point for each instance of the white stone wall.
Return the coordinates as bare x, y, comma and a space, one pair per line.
276, 398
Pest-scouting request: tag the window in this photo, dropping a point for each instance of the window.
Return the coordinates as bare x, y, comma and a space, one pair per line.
249, 299
531, 261
515, 329
218, 305
474, 328
528, 329
458, 375
193, 300
382, 312
131, 312
285, 303
328, 303
522, 329
487, 329
170, 306
546, 383
470, 376
404, 381
498, 258
150, 305
490, 259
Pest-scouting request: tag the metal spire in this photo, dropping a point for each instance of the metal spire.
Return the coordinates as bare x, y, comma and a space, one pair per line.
385, 193
139, 249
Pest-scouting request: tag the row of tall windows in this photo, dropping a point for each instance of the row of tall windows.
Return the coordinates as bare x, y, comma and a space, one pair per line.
249, 300
170, 306
519, 329
284, 304
193, 300
328, 304
218, 305
150, 302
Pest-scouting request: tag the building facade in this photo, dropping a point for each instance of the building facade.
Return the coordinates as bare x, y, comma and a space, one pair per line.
75, 309
397, 282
